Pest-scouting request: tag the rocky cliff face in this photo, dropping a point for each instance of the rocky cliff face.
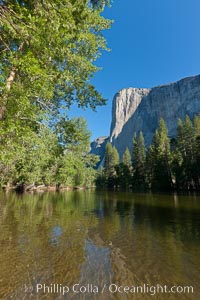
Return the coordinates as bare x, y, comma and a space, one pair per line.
136, 109
98, 148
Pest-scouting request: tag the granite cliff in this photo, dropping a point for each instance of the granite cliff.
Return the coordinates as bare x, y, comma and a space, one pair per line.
98, 147
140, 109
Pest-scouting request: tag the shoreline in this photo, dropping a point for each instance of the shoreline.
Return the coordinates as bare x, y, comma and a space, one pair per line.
42, 188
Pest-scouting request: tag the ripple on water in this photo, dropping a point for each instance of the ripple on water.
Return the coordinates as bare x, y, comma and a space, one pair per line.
98, 238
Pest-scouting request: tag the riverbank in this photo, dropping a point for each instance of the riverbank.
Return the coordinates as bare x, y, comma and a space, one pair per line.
21, 188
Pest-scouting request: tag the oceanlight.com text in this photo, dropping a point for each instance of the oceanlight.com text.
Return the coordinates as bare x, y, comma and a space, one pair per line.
77, 288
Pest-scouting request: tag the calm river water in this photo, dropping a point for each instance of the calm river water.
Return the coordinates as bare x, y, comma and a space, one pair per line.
99, 245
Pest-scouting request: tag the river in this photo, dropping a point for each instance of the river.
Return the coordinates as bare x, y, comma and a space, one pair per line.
99, 245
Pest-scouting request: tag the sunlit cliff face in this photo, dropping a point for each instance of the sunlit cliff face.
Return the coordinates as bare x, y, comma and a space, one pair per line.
137, 109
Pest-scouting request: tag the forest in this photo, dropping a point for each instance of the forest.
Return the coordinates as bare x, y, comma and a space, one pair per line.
48, 53
167, 164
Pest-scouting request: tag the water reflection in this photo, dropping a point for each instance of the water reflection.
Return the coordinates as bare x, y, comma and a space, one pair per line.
56, 232
98, 238
96, 258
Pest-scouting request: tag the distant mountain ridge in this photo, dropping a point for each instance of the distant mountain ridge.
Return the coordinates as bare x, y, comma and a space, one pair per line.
140, 109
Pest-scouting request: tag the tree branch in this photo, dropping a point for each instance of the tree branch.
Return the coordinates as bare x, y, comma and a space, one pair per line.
35, 121
9, 83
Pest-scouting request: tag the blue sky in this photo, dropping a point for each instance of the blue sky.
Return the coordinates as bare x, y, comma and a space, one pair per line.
152, 42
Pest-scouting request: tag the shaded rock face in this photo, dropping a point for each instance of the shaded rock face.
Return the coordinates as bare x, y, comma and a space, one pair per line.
136, 109
98, 147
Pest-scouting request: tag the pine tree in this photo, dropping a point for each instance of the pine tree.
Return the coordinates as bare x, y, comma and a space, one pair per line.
123, 170
159, 159
126, 158
110, 162
115, 157
186, 146
197, 151
138, 161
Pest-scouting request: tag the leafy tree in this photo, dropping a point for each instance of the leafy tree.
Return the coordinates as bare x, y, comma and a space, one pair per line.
32, 160
48, 51
73, 134
43, 159
74, 166
47, 58
36, 165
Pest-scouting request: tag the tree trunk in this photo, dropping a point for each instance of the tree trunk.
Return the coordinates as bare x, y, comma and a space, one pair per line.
9, 83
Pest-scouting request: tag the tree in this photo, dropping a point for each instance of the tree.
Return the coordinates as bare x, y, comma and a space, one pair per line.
123, 171
47, 58
100, 180
126, 158
159, 159
185, 138
75, 166
108, 160
73, 134
47, 54
186, 148
197, 151
138, 161
48, 158
32, 161
111, 160
115, 157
